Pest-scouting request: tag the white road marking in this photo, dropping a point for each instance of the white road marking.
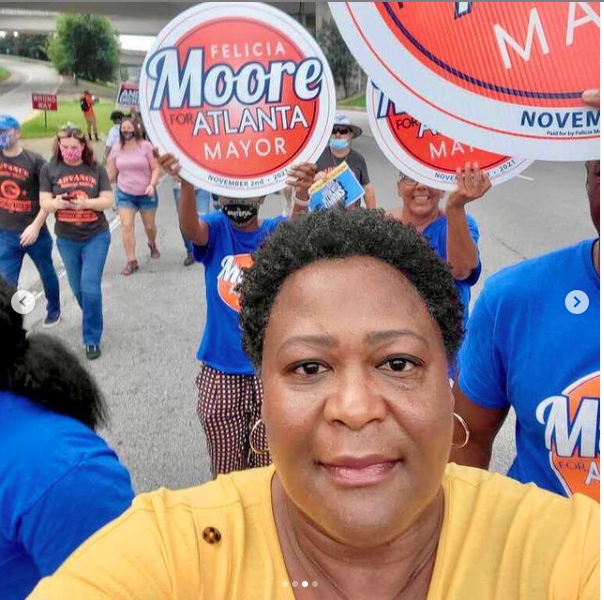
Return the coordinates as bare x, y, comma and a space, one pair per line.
525, 177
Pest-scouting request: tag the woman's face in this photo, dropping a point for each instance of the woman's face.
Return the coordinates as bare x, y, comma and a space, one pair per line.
127, 127
357, 402
419, 199
71, 149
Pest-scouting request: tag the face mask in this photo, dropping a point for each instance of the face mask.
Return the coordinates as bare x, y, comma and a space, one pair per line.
7, 141
72, 155
338, 143
240, 214
128, 135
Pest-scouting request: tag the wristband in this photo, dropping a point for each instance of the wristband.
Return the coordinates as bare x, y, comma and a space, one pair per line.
300, 202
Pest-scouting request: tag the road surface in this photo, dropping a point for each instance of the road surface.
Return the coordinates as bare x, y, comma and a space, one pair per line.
154, 319
27, 78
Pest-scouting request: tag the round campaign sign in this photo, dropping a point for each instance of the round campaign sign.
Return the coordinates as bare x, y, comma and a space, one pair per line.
237, 91
503, 76
426, 155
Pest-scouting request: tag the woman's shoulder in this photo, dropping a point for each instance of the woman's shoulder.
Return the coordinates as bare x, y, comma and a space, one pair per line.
237, 491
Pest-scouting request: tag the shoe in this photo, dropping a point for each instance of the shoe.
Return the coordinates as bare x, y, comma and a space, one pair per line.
131, 267
96, 138
189, 260
51, 321
93, 352
154, 251
90, 137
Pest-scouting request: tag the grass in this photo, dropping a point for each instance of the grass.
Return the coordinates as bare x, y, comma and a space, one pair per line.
357, 101
4, 74
69, 112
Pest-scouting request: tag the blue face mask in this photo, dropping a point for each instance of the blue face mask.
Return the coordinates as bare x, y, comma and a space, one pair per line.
338, 143
7, 141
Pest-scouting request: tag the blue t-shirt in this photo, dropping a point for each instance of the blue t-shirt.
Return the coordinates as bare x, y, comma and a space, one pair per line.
526, 350
436, 233
59, 483
228, 250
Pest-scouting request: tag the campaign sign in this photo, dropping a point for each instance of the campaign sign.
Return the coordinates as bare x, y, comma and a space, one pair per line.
238, 92
503, 76
426, 155
44, 102
127, 95
339, 187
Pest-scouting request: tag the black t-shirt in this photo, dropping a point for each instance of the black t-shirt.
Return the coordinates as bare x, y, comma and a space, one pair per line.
58, 178
19, 189
356, 161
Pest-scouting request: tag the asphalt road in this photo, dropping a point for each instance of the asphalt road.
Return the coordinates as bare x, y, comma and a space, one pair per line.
154, 319
27, 78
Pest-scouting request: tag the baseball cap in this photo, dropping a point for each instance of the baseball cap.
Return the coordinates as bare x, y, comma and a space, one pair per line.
8, 122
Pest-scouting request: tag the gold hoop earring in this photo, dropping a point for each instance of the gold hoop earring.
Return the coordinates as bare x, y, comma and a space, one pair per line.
254, 449
466, 430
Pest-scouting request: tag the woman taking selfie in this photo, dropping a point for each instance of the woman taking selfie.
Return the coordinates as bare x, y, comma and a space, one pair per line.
360, 502
76, 187
137, 171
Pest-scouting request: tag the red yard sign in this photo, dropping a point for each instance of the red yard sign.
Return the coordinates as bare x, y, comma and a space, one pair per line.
44, 102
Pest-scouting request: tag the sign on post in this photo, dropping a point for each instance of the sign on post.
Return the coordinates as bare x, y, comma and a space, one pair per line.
44, 102
426, 155
238, 91
503, 76
127, 95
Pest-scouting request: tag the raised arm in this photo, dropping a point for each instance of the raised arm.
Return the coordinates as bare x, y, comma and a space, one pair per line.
462, 253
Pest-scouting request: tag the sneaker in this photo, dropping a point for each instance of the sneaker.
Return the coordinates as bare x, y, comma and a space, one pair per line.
93, 352
154, 251
189, 260
51, 321
131, 267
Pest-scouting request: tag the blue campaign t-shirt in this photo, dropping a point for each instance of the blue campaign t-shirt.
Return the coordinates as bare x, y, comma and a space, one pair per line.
436, 233
59, 483
228, 251
525, 349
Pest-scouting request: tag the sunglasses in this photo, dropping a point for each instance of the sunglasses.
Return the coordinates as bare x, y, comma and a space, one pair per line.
408, 181
68, 130
341, 130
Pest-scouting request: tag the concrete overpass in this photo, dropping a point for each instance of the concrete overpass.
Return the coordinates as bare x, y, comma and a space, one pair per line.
129, 18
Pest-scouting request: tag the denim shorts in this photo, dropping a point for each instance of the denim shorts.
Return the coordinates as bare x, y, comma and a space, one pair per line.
132, 202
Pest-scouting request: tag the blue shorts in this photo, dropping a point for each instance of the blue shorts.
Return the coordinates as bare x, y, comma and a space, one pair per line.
135, 203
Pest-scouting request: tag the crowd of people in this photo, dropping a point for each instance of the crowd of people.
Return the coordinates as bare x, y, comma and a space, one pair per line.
349, 435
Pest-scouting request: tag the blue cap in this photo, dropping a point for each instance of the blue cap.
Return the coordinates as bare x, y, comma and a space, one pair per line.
8, 122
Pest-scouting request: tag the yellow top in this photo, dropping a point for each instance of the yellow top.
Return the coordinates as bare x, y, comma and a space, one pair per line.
500, 540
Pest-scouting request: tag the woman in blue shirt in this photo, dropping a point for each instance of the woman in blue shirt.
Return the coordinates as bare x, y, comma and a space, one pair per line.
59, 481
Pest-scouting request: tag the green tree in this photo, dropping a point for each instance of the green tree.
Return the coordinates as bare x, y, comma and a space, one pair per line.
85, 46
30, 45
343, 64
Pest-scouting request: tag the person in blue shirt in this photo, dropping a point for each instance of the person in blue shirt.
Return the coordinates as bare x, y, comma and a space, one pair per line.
452, 233
533, 344
59, 481
229, 391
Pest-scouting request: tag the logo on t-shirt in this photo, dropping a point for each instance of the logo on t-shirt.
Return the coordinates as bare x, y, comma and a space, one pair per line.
230, 276
572, 435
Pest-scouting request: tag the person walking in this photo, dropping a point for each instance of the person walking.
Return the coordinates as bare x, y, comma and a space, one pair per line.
229, 390
76, 187
113, 137
22, 222
136, 169
340, 150
87, 101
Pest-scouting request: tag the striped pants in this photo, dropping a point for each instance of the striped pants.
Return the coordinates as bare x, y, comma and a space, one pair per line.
228, 406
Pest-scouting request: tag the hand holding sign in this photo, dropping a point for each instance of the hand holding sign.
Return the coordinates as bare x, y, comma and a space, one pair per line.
472, 183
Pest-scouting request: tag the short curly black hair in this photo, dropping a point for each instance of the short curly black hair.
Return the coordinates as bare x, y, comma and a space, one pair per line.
336, 234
